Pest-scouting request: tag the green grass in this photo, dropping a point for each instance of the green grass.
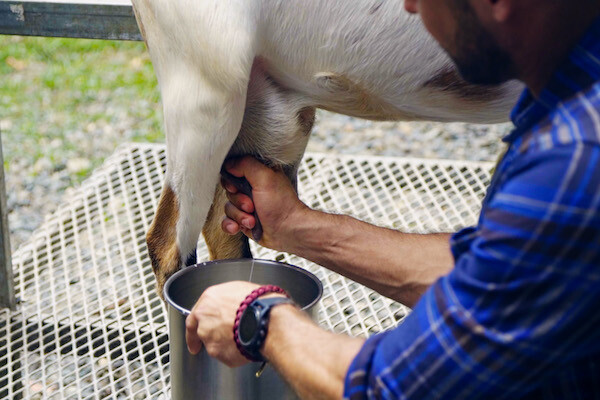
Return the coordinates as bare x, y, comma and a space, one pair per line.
57, 96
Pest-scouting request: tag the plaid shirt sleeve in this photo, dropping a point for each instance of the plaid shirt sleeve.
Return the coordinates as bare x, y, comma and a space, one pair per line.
519, 312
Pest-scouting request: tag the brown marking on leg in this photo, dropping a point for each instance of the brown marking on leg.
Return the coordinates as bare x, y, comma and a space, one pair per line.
162, 239
220, 244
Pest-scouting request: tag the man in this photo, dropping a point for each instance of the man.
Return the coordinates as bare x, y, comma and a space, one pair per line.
506, 309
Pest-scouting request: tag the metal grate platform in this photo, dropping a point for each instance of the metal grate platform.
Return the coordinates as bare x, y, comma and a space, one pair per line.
89, 324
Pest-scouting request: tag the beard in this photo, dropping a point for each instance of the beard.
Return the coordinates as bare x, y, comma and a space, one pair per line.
478, 57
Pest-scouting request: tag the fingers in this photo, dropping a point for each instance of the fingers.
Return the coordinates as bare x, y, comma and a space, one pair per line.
230, 227
194, 344
229, 187
242, 202
243, 219
210, 324
238, 212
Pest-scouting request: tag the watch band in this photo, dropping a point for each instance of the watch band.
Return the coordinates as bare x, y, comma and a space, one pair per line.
262, 309
259, 310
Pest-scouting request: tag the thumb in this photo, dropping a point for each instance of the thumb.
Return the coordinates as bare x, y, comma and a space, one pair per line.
194, 343
255, 172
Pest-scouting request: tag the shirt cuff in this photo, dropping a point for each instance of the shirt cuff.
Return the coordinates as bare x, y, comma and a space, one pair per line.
357, 377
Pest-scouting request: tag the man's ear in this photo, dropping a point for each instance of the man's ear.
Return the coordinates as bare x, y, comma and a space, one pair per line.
494, 11
501, 10
411, 6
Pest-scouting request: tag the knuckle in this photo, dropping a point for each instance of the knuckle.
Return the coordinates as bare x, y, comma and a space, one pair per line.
231, 209
209, 291
197, 314
200, 334
212, 350
245, 161
235, 200
190, 324
208, 294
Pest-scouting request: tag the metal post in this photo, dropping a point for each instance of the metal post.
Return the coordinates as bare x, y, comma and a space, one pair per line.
89, 19
7, 291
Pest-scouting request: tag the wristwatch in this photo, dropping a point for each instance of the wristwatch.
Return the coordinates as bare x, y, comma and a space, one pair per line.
254, 324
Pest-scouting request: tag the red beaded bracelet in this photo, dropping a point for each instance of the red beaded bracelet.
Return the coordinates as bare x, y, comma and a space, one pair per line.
244, 304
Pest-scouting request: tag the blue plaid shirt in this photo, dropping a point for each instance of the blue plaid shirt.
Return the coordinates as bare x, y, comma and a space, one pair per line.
519, 315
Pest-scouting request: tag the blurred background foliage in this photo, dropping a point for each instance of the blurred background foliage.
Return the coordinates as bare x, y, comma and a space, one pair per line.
72, 99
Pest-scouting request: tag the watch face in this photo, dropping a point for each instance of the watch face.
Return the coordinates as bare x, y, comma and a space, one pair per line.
248, 326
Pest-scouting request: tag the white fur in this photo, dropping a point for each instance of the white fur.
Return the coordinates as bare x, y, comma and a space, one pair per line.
366, 58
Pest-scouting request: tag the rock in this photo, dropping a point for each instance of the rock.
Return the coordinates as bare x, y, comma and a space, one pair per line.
5, 124
41, 165
76, 165
16, 64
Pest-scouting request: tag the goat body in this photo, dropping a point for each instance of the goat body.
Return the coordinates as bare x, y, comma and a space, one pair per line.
244, 77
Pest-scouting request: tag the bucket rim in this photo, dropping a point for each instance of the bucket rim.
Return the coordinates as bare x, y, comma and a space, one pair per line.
188, 269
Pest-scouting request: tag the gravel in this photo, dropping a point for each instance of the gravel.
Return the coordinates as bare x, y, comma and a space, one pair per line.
36, 187
456, 141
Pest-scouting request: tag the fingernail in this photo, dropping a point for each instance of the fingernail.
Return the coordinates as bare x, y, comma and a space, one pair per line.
231, 228
246, 223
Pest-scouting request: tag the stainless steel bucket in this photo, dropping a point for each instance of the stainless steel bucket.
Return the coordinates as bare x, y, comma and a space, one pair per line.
202, 377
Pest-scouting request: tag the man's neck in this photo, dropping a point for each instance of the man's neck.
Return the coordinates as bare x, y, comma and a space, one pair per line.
538, 60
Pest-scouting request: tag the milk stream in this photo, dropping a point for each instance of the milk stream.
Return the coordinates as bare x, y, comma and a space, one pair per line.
251, 271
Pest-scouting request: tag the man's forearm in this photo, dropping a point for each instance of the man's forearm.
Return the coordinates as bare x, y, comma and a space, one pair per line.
398, 265
311, 359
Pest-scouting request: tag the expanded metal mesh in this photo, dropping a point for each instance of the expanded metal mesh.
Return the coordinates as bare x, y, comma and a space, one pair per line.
89, 324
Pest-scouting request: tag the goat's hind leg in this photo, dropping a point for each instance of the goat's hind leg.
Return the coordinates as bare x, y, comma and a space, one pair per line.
203, 112
220, 244
196, 146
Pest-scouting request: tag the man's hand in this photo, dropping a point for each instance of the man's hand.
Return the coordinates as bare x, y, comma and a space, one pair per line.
311, 359
211, 322
398, 265
277, 204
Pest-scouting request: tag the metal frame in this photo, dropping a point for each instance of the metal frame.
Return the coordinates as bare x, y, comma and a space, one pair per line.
7, 291
88, 19
101, 19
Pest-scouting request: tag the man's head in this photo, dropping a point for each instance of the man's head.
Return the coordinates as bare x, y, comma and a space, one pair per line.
492, 41
458, 29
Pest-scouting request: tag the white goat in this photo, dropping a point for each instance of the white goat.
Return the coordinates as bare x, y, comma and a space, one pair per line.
245, 76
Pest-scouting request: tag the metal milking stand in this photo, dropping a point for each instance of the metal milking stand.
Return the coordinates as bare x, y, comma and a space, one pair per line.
90, 19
